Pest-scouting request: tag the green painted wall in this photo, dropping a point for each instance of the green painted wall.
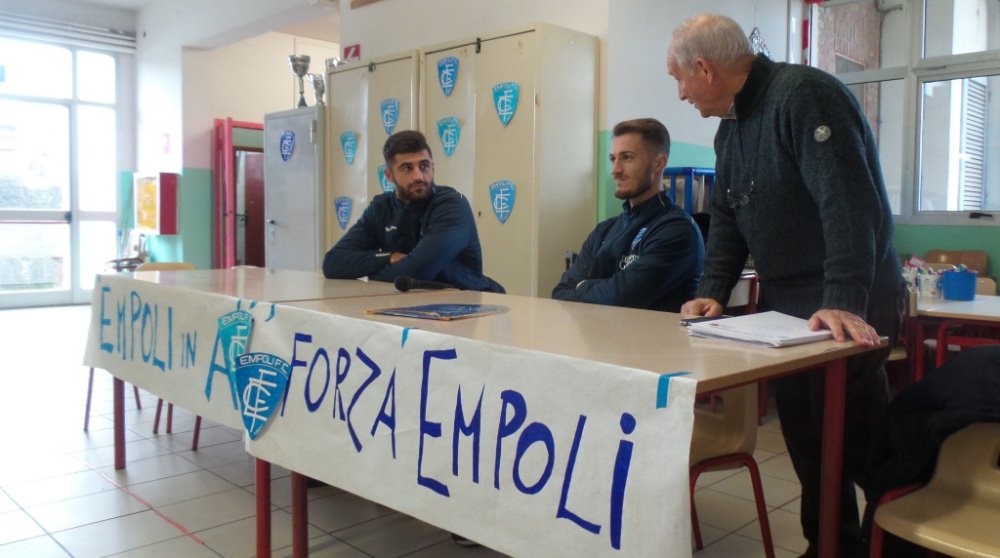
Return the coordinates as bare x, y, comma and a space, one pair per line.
194, 221
918, 239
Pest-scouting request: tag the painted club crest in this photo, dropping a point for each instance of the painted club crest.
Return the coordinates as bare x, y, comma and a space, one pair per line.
342, 207
286, 144
449, 132
349, 143
505, 100
261, 379
447, 74
232, 338
389, 109
384, 182
502, 194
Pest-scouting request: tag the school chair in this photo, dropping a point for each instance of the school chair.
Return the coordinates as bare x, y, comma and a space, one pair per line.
726, 440
170, 266
958, 512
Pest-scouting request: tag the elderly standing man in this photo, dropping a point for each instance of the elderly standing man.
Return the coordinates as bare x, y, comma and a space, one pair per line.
798, 187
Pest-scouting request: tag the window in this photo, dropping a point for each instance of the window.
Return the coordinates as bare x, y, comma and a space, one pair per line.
927, 75
59, 146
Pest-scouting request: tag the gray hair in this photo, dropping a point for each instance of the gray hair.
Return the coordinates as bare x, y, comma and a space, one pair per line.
713, 37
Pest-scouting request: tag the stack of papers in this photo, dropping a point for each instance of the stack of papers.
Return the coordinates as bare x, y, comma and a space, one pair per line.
773, 329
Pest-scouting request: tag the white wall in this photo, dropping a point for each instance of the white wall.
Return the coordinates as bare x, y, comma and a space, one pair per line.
164, 29
638, 36
243, 81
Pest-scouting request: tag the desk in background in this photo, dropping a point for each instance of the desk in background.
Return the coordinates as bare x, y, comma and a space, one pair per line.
931, 314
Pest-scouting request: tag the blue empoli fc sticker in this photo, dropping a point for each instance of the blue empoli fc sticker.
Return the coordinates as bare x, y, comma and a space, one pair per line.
505, 100
349, 143
232, 337
342, 206
389, 109
447, 74
383, 181
502, 194
287, 144
449, 131
261, 379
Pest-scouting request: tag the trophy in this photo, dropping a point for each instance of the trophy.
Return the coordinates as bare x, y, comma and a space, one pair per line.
319, 87
300, 65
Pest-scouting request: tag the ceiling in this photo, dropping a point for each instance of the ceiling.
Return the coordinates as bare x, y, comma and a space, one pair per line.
320, 28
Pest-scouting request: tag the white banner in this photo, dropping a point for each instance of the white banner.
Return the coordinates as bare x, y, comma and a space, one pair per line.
530, 453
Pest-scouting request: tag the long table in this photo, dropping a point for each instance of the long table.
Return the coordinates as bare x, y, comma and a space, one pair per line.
932, 313
623, 337
636, 346
215, 288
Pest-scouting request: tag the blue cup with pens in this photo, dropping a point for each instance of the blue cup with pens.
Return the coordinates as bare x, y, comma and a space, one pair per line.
959, 284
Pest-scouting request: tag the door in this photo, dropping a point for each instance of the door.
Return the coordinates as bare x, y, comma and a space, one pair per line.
293, 189
253, 208
231, 137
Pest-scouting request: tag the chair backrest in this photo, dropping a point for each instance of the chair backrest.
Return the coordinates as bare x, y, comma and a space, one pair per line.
967, 462
986, 286
164, 266
973, 259
733, 430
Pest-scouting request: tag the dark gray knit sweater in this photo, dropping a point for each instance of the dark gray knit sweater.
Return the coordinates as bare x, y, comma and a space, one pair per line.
799, 187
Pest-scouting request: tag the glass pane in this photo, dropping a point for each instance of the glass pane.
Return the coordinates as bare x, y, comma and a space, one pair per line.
882, 104
849, 37
960, 26
98, 244
34, 257
97, 148
34, 155
95, 77
960, 145
35, 69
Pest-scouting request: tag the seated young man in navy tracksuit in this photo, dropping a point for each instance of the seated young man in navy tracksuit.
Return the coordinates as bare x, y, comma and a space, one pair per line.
651, 255
423, 230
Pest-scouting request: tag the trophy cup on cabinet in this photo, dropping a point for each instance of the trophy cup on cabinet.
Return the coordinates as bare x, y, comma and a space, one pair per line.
319, 87
300, 66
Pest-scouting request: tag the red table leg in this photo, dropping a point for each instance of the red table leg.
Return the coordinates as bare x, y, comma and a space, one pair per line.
263, 487
119, 420
300, 517
833, 457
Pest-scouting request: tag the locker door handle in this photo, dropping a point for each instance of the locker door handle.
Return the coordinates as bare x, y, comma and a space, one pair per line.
270, 221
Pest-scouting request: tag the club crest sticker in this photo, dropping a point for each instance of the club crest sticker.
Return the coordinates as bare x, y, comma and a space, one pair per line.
503, 194
449, 132
505, 100
349, 143
389, 109
384, 182
261, 379
342, 207
447, 74
286, 144
232, 338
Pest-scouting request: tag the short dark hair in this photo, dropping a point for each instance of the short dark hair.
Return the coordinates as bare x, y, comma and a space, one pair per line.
654, 134
407, 141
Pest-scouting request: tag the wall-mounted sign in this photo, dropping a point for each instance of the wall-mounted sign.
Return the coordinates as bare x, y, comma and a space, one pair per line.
389, 109
505, 100
349, 143
502, 195
447, 74
449, 131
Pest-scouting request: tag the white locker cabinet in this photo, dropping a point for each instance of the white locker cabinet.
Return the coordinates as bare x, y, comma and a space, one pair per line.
294, 189
546, 149
363, 99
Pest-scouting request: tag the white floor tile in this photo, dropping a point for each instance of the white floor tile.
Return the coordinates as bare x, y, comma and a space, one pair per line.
74, 512
37, 547
116, 535
17, 525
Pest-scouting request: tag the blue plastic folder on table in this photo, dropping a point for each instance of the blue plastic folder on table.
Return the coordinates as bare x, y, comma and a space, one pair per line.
441, 311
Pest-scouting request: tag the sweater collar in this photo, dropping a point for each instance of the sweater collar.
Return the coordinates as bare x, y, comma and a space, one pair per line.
761, 72
661, 199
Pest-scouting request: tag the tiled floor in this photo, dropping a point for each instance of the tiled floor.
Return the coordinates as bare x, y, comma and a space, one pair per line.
60, 495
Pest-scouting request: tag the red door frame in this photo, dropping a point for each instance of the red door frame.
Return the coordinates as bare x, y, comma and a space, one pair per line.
224, 186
